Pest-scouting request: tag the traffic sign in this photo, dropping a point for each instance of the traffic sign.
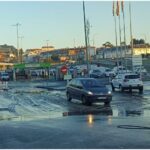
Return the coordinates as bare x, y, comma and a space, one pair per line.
64, 69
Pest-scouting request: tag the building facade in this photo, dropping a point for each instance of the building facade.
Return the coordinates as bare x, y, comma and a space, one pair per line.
123, 51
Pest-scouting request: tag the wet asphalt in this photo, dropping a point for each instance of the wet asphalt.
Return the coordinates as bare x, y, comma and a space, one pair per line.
36, 115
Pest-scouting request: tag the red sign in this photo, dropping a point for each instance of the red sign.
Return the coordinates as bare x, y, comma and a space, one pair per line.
63, 69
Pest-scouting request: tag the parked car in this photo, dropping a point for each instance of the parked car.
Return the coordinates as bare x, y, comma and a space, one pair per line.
109, 72
96, 74
4, 76
88, 90
120, 69
140, 70
127, 81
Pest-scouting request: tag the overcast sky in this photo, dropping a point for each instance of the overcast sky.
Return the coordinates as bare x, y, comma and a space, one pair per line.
60, 23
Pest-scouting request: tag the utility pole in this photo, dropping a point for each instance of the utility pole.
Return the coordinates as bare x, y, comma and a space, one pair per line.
21, 37
132, 53
86, 42
17, 25
21, 48
47, 43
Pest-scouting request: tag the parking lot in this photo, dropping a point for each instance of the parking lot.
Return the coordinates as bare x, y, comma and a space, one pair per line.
42, 99
46, 112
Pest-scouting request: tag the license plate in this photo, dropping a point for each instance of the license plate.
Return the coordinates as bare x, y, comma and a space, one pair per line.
101, 97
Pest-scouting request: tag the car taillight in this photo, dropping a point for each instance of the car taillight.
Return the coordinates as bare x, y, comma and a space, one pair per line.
125, 80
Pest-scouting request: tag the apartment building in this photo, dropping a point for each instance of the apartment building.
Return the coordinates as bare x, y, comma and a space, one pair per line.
8, 54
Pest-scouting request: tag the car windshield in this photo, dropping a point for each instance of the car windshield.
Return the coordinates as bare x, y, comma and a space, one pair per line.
4, 74
96, 71
132, 76
122, 68
92, 83
107, 70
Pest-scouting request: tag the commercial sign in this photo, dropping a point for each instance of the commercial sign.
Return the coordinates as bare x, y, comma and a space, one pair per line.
32, 65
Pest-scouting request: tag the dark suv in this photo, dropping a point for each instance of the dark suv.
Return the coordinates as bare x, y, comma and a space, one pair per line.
88, 90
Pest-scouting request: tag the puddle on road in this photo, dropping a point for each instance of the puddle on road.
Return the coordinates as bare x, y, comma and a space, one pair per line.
133, 113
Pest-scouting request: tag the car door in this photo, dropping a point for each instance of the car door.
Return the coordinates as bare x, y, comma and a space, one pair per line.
79, 89
116, 81
71, 88
119, 80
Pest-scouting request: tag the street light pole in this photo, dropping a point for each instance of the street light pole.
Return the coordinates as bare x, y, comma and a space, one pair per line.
21, 37
17, 25
47, 43
131, 37
86, 44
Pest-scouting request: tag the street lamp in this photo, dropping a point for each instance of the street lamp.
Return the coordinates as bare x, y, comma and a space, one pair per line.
17, 25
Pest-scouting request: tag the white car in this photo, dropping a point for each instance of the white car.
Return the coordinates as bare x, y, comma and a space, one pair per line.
140, 70
120, 69
127, 81
109, 72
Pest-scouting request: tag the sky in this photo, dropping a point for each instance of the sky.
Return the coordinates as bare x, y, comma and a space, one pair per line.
61, 24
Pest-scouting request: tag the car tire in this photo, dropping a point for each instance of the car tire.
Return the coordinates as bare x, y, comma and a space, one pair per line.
130, 89
141, 90
85, 101
68, 97
113, 88
107, 103
121, 88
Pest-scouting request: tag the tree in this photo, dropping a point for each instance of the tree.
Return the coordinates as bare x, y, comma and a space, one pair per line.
137, 42
108, 45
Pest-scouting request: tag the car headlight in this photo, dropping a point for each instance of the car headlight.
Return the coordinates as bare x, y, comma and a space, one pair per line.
90, 93
109, 92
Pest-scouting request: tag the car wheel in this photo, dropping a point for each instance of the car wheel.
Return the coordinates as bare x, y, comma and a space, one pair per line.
113, 88
107, 103
141, 90
68, 97
85, 101
130, 89
121, 88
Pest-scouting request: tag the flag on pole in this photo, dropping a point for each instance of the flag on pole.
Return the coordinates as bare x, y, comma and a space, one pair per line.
122, 5
117, 9
113, 8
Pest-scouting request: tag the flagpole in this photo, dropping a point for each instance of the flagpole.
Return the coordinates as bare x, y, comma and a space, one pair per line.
125, 48
120, 38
